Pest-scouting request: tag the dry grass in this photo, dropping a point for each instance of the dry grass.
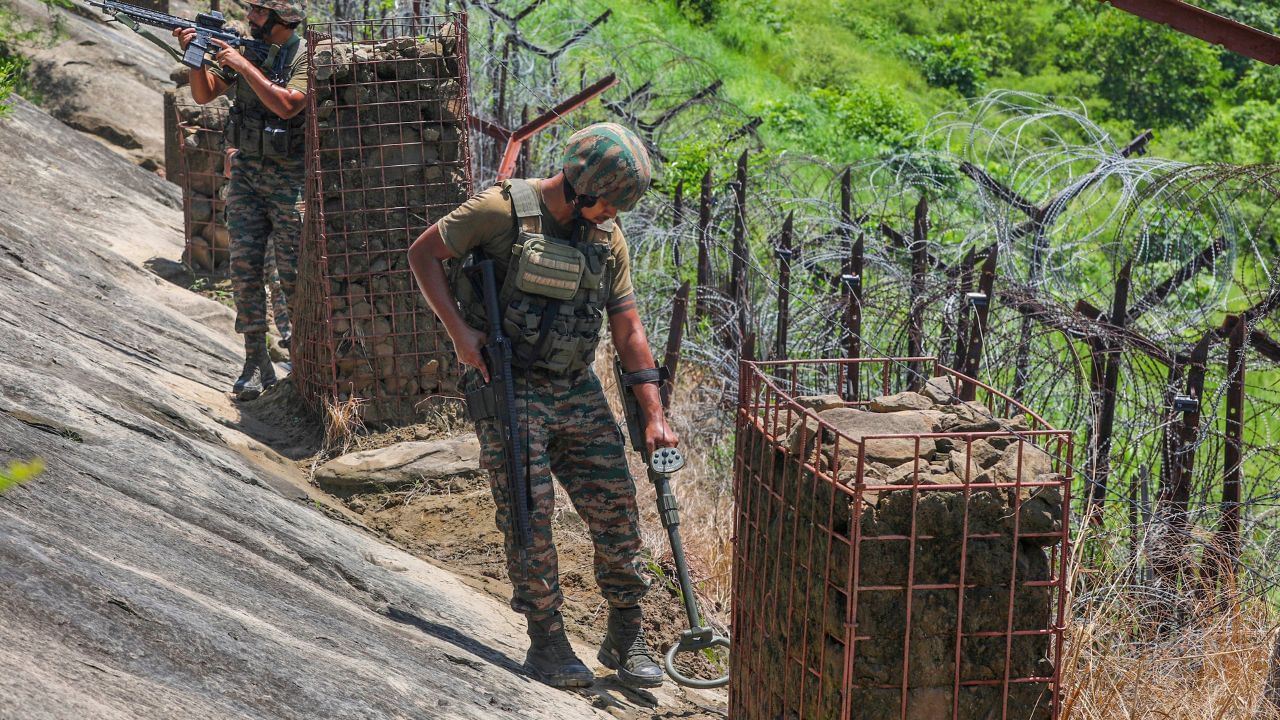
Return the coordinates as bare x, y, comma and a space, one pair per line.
342, 426
1214, 670
704, 488
1127, 657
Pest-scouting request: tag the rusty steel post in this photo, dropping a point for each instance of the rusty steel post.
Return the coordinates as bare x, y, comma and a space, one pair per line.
962, 314
1173, 499
675, 336
738, 274
973, 358
915, 318
677, 221
1210, 27
701, 305
1112, 358
502, 82
851, 283
1227, 542
784, 288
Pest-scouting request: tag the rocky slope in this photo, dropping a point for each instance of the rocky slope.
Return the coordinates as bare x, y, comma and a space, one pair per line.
170, 562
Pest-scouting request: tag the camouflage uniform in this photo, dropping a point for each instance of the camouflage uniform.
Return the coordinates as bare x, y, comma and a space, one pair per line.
569, 431
264, 208
556, 285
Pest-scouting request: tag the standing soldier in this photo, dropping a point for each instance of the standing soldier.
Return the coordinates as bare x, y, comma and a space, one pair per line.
538, 232
264, 197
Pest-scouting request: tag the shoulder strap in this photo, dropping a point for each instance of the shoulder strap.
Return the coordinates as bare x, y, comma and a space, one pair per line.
524, 205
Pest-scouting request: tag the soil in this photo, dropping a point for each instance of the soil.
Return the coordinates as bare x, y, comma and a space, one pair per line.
454, 527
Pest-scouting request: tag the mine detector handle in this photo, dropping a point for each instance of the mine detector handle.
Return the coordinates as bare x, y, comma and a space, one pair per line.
208, 26
660, 466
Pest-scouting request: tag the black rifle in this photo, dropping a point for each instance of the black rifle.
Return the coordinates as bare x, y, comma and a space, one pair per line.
660, 466
208, 26
501, 392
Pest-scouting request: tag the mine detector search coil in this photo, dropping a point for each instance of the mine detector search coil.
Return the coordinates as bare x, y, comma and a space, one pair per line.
208, 26
660, 466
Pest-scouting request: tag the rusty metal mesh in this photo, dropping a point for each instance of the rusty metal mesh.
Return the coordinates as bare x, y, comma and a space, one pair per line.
870, 584
387, 156
201, 164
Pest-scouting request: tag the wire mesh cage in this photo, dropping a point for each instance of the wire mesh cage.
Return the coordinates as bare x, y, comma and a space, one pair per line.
201, 170
387, 156
898, 556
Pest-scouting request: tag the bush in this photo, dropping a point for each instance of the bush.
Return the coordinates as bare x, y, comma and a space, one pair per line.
841, 124
951, 61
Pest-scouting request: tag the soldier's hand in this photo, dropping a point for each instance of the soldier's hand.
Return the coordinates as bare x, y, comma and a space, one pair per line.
228, 57
659, 435
468, 349
185, 36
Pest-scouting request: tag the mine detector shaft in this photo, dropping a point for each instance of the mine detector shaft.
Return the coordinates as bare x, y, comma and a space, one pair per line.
208, 26
660, 466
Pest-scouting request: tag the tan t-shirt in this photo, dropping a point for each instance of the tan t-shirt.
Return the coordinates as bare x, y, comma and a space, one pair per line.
297, 69
487, 222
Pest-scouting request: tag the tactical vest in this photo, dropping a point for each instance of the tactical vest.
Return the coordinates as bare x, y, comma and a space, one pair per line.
255, 130
553, 294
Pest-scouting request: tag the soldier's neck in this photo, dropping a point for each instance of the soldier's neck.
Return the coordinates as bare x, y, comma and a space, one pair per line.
552, 189
280, 35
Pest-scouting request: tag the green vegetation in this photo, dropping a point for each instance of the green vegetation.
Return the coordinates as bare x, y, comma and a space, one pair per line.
19, 472
846, 79
15, 34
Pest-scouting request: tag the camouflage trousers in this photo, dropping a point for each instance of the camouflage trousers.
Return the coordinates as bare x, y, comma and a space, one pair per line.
264, 210
569, 432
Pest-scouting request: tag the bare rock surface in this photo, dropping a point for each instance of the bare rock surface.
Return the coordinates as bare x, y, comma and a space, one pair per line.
171, 561
440, 461
102, 79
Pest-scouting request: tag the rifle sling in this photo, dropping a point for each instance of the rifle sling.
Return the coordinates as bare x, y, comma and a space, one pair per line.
135, 26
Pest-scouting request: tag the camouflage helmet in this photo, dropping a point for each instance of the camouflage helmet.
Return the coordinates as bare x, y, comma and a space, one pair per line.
290, 11
607, 160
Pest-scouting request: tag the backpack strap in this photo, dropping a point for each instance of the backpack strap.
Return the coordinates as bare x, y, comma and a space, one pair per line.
524, 205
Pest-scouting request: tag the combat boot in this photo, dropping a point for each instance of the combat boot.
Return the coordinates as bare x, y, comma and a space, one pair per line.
624, 649
551, 656
258, 373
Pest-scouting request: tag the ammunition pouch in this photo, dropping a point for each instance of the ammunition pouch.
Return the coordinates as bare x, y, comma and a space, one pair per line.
481, 404
261, 135
552, 298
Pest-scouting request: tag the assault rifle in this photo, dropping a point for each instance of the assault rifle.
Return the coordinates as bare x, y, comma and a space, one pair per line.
660, 466
498, 399
208, 26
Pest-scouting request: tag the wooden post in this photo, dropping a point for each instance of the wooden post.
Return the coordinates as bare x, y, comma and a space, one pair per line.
973, 359
784, 289
738, 273
915, 317
675, 336
701, 305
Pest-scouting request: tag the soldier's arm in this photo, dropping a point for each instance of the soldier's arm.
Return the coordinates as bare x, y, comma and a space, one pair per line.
205, 86
632, 344
282, 101
426, 259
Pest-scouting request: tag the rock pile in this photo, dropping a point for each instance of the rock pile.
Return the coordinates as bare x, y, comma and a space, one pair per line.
391, 159
912, 487
199, 150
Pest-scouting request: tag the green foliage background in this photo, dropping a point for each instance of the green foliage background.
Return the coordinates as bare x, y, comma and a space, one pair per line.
846, 79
